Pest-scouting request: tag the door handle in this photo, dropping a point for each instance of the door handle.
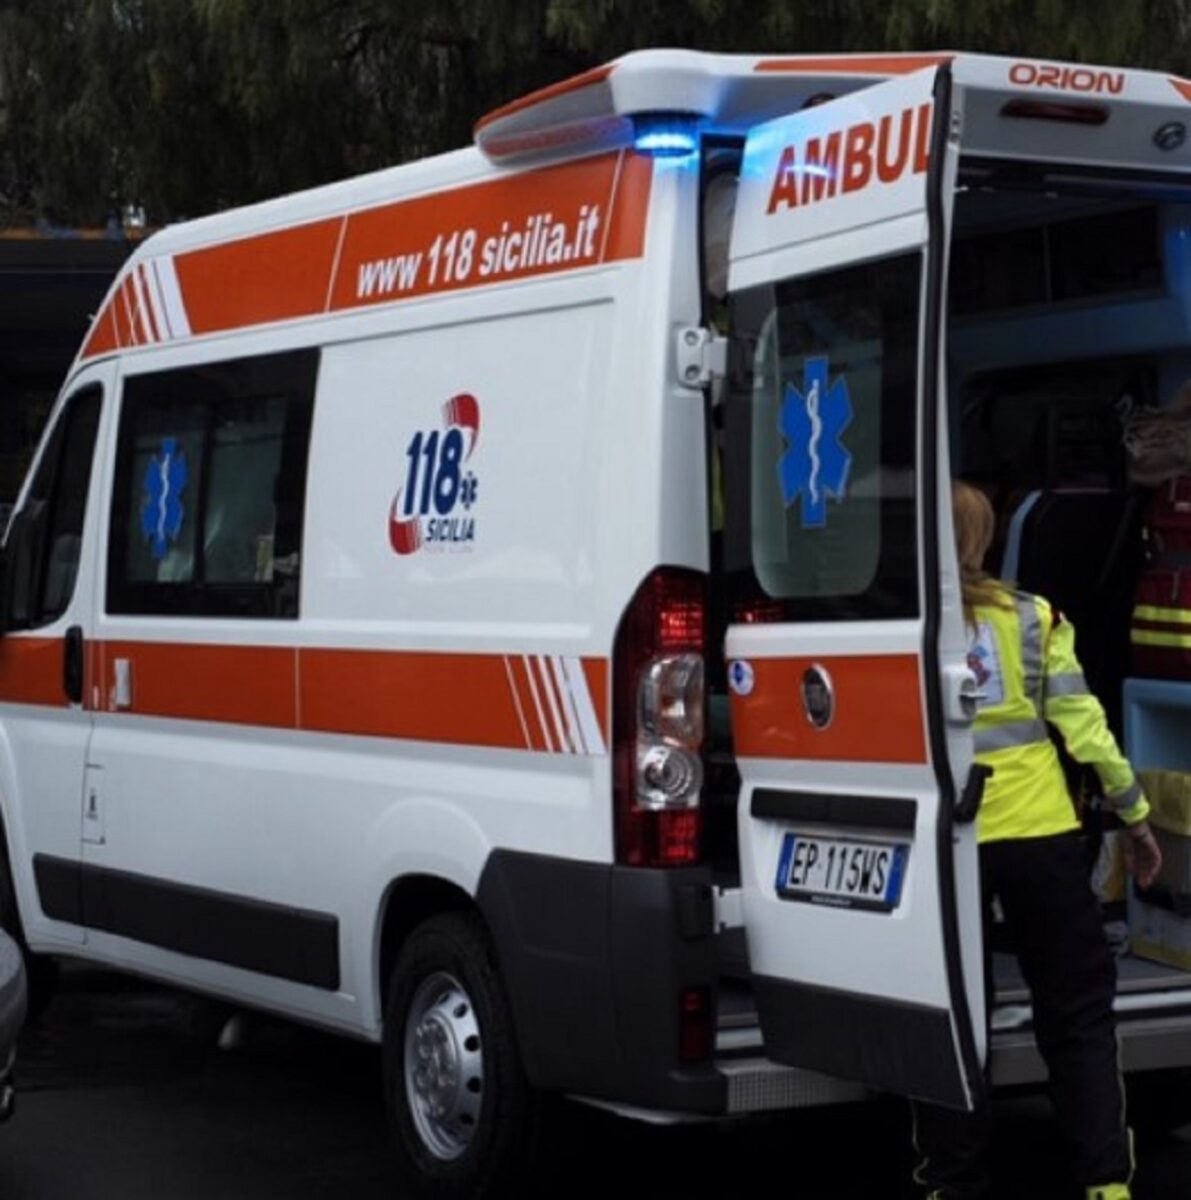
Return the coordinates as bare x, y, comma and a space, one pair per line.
961, 694
72, 664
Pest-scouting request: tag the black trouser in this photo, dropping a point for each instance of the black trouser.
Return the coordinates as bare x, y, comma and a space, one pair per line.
1054, 923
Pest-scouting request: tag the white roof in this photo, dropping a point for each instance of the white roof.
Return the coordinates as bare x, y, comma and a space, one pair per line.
733, 93
1065, 116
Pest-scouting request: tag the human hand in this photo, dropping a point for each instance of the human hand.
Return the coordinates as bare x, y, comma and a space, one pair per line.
1143, 856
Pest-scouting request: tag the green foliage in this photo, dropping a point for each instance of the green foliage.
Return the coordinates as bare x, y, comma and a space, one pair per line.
181, 107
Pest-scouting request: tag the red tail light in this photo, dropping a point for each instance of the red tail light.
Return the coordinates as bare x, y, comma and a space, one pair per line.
658, 706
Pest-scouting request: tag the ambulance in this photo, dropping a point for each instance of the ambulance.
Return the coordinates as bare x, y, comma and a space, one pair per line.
504, 607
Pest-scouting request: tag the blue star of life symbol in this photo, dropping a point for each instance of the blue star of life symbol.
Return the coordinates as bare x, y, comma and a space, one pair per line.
815, 463
165, 479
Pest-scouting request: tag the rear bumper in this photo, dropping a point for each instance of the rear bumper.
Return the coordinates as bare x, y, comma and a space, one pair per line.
595, 959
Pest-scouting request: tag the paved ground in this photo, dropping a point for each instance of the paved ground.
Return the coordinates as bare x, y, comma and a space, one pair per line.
124, 1094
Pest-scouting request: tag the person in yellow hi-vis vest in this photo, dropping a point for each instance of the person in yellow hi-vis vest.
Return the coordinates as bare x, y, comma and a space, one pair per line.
1022, 652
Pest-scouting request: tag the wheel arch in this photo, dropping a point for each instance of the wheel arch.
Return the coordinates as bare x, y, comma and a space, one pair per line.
408, 901
427, 857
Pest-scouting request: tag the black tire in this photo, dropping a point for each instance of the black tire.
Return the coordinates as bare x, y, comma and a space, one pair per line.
41, 973
465, 1125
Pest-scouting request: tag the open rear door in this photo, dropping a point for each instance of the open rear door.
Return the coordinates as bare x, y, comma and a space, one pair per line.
847, 666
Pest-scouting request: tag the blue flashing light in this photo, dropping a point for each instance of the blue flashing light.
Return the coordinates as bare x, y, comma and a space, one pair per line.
666, 135
664, 142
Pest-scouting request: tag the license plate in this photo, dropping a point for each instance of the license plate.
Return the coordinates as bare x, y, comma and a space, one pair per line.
842, 872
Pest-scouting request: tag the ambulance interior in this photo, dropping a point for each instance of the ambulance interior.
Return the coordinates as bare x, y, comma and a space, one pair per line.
1069, 325
1069, 319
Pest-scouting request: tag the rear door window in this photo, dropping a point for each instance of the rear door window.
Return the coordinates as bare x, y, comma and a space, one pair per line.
819, 457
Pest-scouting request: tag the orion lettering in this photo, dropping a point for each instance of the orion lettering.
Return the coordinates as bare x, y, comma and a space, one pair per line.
1067, 79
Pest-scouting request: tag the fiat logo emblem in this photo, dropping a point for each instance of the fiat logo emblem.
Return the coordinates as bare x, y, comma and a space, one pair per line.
818, 696
1170, 136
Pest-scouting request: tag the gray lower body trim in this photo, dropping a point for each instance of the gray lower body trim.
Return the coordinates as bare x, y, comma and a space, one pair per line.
882, 1043
257, 935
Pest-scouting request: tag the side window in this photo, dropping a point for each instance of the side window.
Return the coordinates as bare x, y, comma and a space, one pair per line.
210, 489
45, 540
820, 446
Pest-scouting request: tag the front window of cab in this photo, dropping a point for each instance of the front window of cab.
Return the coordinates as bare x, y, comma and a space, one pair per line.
820, 428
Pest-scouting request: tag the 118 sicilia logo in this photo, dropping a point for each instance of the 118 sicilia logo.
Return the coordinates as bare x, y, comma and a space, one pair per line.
433, 507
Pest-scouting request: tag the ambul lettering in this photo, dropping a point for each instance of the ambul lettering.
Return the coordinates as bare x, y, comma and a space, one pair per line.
848, 160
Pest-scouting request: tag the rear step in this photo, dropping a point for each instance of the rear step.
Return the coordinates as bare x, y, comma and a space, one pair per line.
755, 1084
758, 1085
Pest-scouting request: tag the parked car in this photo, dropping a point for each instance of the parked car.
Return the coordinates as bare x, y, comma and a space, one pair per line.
12, 1016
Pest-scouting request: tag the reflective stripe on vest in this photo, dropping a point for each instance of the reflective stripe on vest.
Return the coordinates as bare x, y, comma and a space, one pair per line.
1014, 733
1031, 646
1126, 799
1170, 616
1145, 616
1071, 684
1144, 637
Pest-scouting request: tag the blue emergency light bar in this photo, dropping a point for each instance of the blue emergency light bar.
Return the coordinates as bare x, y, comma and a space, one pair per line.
666, 135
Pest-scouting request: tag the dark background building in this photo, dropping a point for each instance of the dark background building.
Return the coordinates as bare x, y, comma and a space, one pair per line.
51, 282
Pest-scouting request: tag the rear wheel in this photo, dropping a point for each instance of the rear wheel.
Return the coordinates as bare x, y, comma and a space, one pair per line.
463, 1118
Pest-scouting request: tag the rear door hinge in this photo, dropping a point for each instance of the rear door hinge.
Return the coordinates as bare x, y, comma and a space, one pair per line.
729, 909
702, 356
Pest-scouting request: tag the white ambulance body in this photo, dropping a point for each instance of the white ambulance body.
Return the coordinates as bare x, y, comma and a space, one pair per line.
374, 607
